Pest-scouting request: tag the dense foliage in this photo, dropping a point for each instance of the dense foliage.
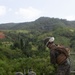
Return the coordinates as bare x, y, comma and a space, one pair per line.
24, 49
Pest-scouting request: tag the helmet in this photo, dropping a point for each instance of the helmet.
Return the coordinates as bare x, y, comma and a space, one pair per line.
19, 73
48, 39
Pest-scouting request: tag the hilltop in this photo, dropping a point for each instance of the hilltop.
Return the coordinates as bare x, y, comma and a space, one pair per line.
42, 23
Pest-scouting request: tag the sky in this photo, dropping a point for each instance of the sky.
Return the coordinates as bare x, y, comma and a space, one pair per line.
17, 11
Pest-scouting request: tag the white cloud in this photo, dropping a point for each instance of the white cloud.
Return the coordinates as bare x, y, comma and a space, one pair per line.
10, 9
29, 13
70, 18
2, 10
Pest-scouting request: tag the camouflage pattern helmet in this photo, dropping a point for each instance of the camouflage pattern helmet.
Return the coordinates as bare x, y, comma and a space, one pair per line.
19, 73
48, 39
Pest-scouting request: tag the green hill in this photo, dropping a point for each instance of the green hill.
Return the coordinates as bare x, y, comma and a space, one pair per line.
22, 46
42, 23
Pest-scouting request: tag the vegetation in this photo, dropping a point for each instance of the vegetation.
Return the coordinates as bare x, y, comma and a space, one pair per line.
24, 49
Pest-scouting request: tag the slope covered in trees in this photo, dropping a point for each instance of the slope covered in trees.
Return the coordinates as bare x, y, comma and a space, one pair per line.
22, 49
42, 23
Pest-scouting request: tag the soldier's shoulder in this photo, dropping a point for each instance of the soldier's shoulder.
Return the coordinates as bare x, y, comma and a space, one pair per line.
32, 73
18, 73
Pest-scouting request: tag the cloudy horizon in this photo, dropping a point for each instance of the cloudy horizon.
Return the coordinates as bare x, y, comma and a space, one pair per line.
25, 10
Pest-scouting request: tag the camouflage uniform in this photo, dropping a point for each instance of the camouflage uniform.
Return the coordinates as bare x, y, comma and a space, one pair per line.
62, 69
31, 72
19, 73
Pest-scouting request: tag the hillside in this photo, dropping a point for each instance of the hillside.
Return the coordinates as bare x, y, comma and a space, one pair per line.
42, 23
24, 49
6, 26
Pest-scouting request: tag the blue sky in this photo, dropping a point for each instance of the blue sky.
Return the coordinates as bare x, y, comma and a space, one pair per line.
29, 10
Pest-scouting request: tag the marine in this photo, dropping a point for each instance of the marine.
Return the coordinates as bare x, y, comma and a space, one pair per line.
59, 55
